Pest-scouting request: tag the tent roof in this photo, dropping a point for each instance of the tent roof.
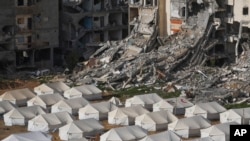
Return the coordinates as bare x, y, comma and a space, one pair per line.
145, 99
125, 133
25, 112
204, 139
103, 107
179, 102
163, 104
48, 99
81, 139
18, 94
163, 136
54, 118
29, 136
88, 89
74, 103
86, 125
44, 88
195, 122
219, 129
115, 100
129, 111
159, 117
239, 112
58, 86
5, 106
210, 107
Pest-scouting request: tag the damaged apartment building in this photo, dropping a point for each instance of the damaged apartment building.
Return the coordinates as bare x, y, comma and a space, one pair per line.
28, 33
85, 24
226, 25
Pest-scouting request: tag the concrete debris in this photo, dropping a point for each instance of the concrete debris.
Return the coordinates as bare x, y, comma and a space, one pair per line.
192, 60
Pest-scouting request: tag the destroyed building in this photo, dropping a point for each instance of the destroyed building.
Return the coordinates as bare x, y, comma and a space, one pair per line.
29, 33
88, 23
191, 43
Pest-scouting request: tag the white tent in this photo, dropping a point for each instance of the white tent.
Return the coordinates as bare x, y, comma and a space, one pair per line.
241, 116
20, 116
145, 100
18, 97
50, 88
209, 110
219, 132
29, 136
90, 92
81, 139
125, 116
189, 127
69, 105
5, 106
155, 121
203, 139
45, 101
127, 133
179, 103
163, 105
80, 128
49, 122
163, 136
116, 101
98, 111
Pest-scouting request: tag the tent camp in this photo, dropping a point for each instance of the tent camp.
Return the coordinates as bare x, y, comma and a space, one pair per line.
219, 132
51, 88
155, 121
6, 106
163, 136
210, 110
189, 127
116, 101
241, 116
163, 105
98, 111
89, 92
127, 133
45, 101
80, 128
179, 103
29, 136
125, 116
69, 105
145, 100
20, 116
49, 122
18, 97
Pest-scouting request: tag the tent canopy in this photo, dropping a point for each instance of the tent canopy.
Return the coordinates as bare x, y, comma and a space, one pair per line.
159, 117
128, 111
17, 95
102, 107
195, 122
124, 133
115, 101
45, 100
210, 107
74, 103
5, 106
143, 99
29, 136
50, 88
179, 102
89, 92
163, 136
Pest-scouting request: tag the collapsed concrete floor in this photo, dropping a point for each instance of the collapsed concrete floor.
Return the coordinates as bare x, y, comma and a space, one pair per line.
181, 59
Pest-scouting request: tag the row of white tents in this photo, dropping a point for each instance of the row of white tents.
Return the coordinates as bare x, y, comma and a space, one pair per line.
44, 92
79, 130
